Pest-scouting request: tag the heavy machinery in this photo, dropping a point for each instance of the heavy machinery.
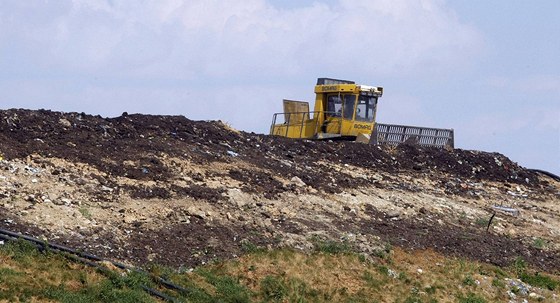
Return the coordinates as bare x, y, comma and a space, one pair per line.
345, 110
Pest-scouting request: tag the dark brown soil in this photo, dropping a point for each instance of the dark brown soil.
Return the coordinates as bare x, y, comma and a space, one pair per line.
460, 241
106, 143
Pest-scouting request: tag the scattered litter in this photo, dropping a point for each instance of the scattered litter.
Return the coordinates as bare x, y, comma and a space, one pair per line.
12, 168
106, 189
232, 153
498, 162
1, 242
393, 274
505, 209
520, 287
32, 170
145, 170
511, 294
511, 193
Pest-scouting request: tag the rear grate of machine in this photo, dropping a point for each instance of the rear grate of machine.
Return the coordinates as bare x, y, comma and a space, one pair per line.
424, 136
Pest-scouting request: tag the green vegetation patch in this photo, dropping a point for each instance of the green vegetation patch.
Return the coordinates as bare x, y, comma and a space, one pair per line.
471, 298
273, 289
44, 275
330, 246
331, 273
539, 280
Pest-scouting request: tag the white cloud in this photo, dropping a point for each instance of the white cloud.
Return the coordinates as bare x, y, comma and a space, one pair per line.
225, 38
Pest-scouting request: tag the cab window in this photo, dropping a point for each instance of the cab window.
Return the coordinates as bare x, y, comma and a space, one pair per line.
366, 108
334, 105
349, 103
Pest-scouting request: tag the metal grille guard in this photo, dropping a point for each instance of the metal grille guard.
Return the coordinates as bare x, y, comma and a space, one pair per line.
424, 136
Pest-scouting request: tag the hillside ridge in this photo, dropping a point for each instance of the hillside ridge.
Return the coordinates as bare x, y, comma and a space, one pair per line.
166, 189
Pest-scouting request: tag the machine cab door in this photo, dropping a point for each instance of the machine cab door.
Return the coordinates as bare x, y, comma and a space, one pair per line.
340, 111
348, 115
364, 118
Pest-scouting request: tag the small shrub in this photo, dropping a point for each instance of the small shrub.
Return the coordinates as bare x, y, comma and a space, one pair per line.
273, 289
227, 289
301, 292
499, 272
539, 280
161, 270
251, 248
330, 247
384, 270
482, 222
4, 272
20, 249
430, 290
539, 243
385, 253
362, 258
371, 280
85, 212
497, 282
404, 277
469, 281
471, 298
519, 265
413, 299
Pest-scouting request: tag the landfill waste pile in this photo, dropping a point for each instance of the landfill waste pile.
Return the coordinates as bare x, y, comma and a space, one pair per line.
172, 191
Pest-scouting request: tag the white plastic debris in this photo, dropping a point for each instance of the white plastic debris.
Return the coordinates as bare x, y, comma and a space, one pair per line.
32, 170
508, 210
232, 153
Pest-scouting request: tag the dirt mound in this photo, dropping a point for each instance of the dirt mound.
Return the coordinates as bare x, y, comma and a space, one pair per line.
133, 146
166, 189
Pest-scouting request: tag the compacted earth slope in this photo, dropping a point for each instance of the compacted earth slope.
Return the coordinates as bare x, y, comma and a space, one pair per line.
168, 190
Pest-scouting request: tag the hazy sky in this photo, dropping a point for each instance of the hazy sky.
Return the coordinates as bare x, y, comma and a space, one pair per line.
488, 69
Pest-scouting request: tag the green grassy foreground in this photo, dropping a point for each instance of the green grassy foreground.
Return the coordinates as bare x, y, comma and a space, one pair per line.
330, 274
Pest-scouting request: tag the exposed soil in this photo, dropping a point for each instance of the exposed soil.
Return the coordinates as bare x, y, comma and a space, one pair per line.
473, 243
165, 189
131, 146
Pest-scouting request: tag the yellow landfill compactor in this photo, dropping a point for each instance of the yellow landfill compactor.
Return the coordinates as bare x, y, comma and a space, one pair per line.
345, 110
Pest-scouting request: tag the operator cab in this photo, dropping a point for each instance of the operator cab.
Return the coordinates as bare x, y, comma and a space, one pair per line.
347, 108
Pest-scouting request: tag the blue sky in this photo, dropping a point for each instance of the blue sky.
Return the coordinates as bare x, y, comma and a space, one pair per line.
488, 69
